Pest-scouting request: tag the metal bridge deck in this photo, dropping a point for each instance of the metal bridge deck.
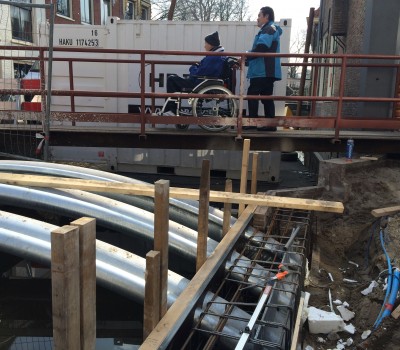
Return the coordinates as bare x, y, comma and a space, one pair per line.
287, 140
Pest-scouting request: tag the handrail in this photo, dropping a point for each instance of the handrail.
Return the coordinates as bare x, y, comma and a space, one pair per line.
344, 62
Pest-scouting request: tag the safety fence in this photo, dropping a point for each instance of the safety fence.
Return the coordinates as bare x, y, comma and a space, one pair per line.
347, 92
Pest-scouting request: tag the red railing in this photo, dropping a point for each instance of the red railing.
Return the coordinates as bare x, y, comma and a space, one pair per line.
336, 121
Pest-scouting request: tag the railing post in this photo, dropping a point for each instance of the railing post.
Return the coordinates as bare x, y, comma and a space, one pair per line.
341, 94
142, 93
241, 93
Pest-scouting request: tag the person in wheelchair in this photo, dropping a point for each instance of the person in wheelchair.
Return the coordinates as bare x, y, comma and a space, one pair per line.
209, 66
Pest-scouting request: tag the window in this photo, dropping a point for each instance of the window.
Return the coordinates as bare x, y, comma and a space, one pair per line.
86, 11
21, 22
105, 11
145, 13
130, 10
63, 8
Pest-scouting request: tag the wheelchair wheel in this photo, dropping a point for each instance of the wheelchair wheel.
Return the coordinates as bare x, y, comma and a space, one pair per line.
215, 107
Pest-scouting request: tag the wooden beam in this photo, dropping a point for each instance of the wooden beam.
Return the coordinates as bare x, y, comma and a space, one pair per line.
385, 211
175, 192
87, 281
296, 332
204, 203
65, 287
254, 167
188, 299
245, 169
161, 228
151, 314
226, 221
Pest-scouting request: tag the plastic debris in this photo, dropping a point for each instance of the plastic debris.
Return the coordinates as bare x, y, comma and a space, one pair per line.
370, 288
337, 302
346, 314
321, 340
346, 304
308, 347
349, 342
349, 280
365, 334
330, 276
353, 263
349, 328
330, 300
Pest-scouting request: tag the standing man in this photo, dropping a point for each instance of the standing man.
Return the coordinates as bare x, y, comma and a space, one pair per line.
264, 71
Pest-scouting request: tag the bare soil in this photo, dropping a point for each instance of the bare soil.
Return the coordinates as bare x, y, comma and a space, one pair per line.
348, 246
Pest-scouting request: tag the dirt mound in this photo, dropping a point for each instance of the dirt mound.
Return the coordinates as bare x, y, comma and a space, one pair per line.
349, 256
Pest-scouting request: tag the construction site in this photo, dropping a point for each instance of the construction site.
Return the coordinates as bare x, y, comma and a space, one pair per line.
124, 229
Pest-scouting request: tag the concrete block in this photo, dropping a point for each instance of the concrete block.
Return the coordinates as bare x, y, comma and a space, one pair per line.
320, 321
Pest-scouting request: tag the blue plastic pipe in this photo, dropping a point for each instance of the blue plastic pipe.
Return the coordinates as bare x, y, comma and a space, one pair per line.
393, 294
389, 285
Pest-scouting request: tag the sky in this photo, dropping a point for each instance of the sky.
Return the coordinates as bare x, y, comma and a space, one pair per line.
297, 10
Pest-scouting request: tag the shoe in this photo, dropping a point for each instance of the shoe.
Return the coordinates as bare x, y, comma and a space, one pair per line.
249, 128
267, 128
168, 114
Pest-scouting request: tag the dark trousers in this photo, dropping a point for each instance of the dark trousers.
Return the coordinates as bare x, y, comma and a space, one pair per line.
175, 84
263, 87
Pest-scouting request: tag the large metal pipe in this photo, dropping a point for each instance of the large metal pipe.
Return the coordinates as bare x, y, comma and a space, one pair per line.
181, 211
116, 269
122, 218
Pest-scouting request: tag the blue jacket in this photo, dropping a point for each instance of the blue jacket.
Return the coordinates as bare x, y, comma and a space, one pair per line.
209, 66
266, 40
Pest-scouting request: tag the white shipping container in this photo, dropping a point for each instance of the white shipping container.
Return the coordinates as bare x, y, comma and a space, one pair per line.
236, 37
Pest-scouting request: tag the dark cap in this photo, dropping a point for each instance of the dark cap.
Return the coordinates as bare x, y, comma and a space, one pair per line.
212, 39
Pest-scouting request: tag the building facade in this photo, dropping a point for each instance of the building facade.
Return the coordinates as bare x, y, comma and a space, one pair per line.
96, 11
358, 27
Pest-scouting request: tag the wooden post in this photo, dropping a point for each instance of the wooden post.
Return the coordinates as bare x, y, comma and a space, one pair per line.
226, 223
151, 292
87, 281
65, 287
254, 173
161, 228
204, 201
243, 176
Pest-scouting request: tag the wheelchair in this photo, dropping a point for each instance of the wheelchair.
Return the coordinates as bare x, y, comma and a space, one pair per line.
225, 107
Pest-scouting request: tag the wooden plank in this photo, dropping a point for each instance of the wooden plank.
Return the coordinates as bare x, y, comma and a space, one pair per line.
161, 228
226, 221
87, 281
396, 312
254, 173
175, 192
151, 313
65, 287
385, 211
243, 174
204, 195
180, 309
295, 338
